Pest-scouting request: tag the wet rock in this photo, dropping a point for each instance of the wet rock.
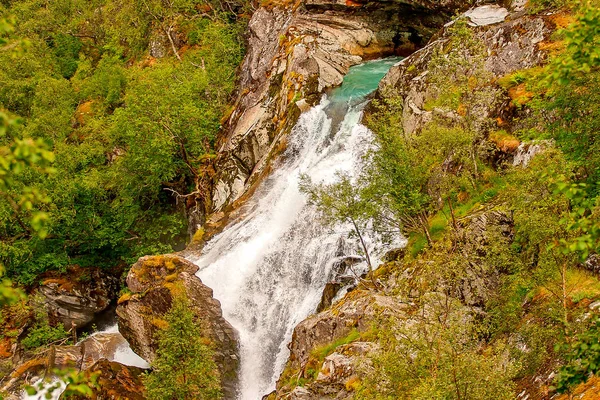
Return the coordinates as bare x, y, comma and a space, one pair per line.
74, 298
101, 345
329, 292
115, 381
345, 277
154, 282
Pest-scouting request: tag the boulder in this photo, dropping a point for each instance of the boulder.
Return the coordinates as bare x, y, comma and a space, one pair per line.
75, 297
155, 281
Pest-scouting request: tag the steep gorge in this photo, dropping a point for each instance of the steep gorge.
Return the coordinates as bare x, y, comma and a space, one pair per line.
262, 253
272, 259
295, 52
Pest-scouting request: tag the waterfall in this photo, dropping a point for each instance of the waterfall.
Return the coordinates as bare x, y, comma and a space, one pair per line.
269, 268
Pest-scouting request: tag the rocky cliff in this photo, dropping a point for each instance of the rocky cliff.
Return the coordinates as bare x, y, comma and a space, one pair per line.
75, 297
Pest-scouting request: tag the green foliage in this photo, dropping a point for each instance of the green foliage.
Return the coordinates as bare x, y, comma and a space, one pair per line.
76, 384
582, 218
66, 50
535, 6
42, 333
435, 357
554, 204
129, 135
17, 157
321, 352
582, 55
343, 201
184, 367
582, 358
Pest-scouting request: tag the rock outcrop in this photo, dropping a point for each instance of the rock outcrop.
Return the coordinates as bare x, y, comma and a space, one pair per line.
356, 312
74, 298
507, 40
295, 52
115, 381
154, 282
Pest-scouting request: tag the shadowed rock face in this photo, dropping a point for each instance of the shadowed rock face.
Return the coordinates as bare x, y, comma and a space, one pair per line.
153, 281
294, 54
76, 297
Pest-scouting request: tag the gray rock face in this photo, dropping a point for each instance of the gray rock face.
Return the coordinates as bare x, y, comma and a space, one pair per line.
510, 45
487, 15
356, 311
293, 56
76, 297
153, 280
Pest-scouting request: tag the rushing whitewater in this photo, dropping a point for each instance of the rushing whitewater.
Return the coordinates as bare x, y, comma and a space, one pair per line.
269, 268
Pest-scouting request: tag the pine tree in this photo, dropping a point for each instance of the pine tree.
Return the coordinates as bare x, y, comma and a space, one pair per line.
184, 367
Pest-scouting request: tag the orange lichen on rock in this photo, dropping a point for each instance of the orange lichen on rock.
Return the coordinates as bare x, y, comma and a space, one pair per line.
505, 142
562, 20
83, 112
5, 348
36, 363
351, 3
63, 283
148, 62
589, 390
125, 297
552, 48
520, 95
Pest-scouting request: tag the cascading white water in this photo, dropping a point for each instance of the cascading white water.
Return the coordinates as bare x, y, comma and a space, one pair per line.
269, 268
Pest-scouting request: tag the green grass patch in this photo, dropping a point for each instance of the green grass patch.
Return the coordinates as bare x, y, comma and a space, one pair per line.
323, 351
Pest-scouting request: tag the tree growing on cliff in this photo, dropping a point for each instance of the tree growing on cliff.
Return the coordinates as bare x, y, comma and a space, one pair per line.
343, 202
184, 367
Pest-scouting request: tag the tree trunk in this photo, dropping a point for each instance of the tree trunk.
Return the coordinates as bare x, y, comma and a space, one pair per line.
425, 226
454, 224
366, 250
